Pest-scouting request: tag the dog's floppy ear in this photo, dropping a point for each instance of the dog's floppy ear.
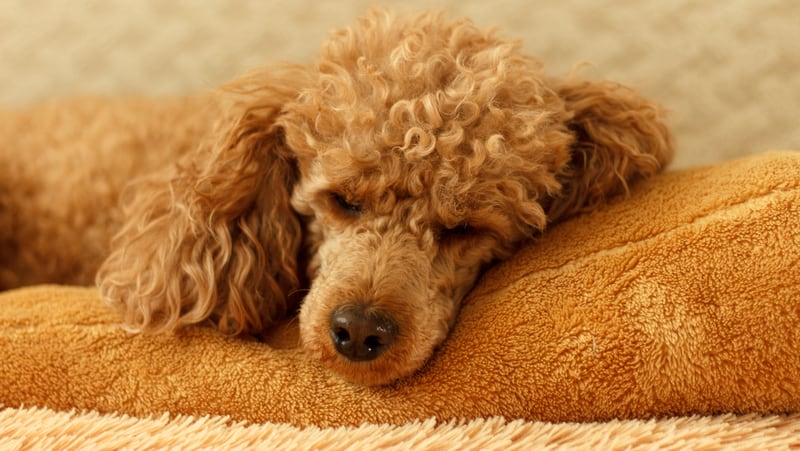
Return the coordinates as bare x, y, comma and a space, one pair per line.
217, 238
619, 137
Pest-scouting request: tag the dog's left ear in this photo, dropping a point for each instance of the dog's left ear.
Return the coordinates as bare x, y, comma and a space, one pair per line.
619, 137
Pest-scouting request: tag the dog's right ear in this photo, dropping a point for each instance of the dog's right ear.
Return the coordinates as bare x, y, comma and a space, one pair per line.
216, 238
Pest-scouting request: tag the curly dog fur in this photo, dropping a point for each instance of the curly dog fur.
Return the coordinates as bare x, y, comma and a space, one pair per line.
373, 187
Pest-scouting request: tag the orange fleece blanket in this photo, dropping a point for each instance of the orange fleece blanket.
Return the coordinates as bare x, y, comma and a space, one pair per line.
683, 298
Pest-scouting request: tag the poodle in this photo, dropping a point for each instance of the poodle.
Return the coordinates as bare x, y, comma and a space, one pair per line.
369, 190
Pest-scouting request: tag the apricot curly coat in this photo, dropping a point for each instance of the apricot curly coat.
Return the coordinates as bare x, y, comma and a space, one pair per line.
375, 185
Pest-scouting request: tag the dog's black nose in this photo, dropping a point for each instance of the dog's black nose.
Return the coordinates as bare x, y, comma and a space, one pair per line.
361, 333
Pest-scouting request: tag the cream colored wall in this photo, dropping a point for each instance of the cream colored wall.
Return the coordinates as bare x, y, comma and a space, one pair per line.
729, 71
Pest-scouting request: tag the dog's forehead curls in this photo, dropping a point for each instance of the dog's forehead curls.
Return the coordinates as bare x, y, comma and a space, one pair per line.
422, 110
414, 153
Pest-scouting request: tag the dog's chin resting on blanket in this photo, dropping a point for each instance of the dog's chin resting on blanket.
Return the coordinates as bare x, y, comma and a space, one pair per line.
370, 188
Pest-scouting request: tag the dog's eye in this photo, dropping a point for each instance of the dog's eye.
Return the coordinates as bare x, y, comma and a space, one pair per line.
341, 202
459, 231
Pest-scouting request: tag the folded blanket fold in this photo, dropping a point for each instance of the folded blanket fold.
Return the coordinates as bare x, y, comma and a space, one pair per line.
682, 298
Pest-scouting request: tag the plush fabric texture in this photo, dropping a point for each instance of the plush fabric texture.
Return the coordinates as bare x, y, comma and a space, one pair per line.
34, 428
683, 298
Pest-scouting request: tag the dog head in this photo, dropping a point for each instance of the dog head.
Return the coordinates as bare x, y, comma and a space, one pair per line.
415, 152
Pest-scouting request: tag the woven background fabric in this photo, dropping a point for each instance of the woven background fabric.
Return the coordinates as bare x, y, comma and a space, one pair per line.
728, 71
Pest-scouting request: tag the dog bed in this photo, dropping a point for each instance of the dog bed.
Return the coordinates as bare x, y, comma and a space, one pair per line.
680, 299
